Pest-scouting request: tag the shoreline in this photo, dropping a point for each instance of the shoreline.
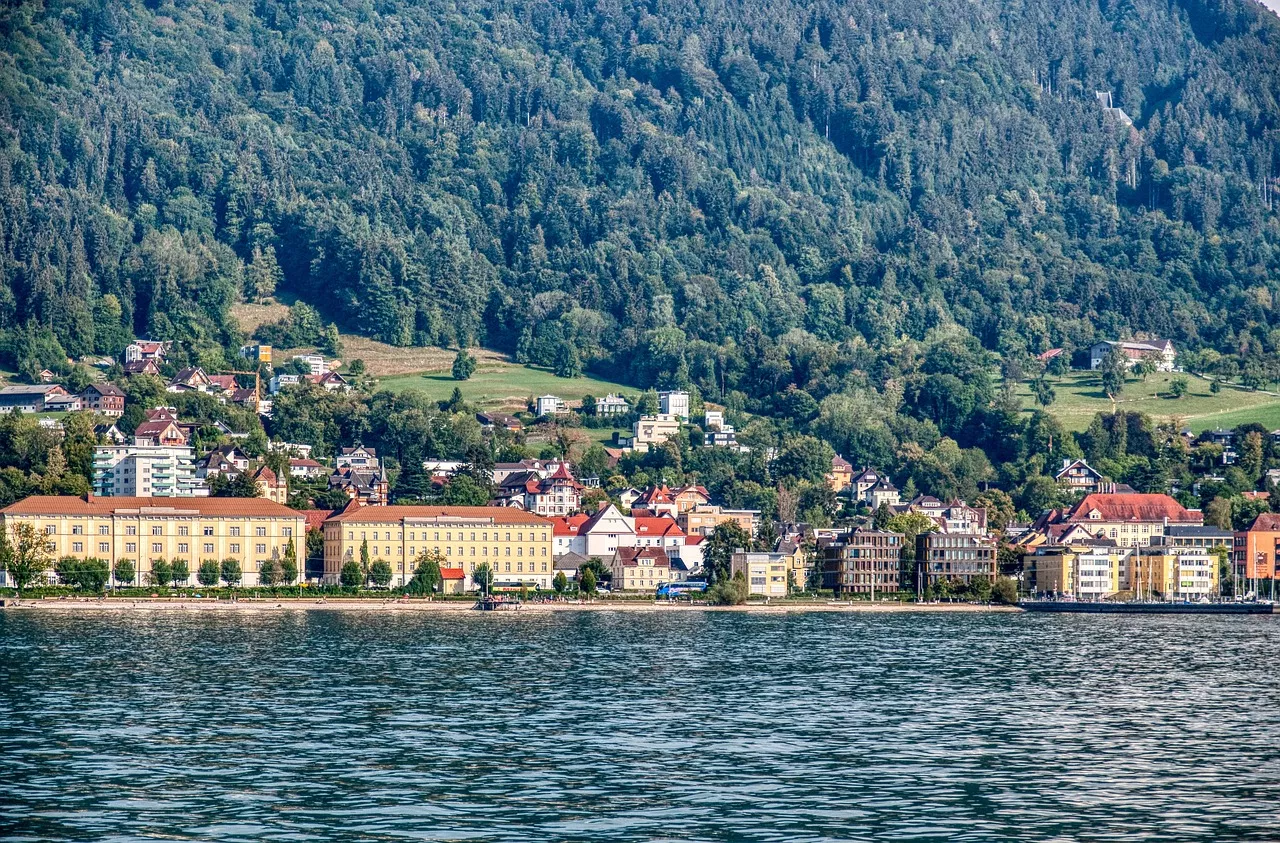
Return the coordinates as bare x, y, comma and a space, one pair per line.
285, 604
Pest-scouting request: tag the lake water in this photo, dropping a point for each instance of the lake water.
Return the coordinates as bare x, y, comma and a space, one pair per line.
621, 726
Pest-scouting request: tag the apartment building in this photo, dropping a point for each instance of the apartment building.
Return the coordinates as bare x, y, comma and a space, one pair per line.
957, 557
863, 561
143, 529
1092, 569
161, 471
766, 573
516, 544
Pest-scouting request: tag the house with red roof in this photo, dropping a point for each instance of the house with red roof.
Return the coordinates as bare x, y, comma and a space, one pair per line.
567, 532
661, 532
554, 495
160, 428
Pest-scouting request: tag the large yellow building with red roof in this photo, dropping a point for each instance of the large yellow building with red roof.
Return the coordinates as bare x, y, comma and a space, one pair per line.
516, 544
143, 530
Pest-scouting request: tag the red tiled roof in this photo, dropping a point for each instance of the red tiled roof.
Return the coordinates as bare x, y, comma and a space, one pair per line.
69, 505
629, 556
568, 526
316, 517
304, 463
453, 574
497, 514
1267, 522
1132, 508
657, 527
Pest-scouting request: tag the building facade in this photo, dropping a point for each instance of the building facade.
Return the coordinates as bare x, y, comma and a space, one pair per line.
161, 471
766, 573
863, 561
958, 558
143, 529
639, 569
516, 544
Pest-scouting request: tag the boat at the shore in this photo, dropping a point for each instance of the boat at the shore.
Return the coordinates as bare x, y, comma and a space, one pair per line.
496, 604
1085, 608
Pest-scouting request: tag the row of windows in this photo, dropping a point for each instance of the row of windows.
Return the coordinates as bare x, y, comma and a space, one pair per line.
448, 536
132, 530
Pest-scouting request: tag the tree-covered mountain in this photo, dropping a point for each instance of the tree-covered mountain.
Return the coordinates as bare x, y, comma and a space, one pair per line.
860, 199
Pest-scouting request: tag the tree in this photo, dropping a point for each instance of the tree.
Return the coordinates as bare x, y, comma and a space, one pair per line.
380, 573
587, 582
26, 554
560, 583
1004, 590
1043, 392
463, 490
269, 574
1218, 513
730, 592
483, 577
351, 576
230, 572
1114, 371
567, 364
125, 572
161, 572
980, 587
464, 365
717, 555
364, 562
208, 573
1178, 387
179, 572
289, 564
427, 577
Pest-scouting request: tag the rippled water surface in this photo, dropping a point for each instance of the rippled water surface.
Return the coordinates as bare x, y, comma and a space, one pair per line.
610, 726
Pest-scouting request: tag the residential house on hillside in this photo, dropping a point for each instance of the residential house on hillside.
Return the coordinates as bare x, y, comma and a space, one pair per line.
143, 350
109, 434
256, 354
357, 457
612, 405
105, 399
190, 379
141, 367
540, 469
607, 530
271, 486
501, 421
674, 403
62, 402
367, 485
548, 405
160, 428
331, 381
304, 468
841, 474
316, 364
1079, 476
556, 494
660, 532
1159, 352
652, 431
703, 520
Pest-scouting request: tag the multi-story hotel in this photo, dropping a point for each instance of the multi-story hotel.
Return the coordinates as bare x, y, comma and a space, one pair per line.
249, 530
516, 544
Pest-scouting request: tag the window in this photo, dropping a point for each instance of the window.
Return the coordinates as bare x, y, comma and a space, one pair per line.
235, 548
260, 531
130, 547
388, 553
77, 530
103, 530
49, 529
235, 531
77, 547
259, 548
157, 531
508, 568
182, 547
208, 547
104, 547
208, 531
156, 547
182, 531
288, 532
351, 534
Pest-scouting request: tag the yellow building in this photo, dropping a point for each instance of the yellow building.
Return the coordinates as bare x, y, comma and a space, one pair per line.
640, 569
516, 544
766, 573
249, 530
1092, 571
1172, 573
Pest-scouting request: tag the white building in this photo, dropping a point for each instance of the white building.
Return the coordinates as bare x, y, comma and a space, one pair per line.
279, 382
674, 403
612, 405
548, 405
315, 362
713, 420
162, 471
1159, 352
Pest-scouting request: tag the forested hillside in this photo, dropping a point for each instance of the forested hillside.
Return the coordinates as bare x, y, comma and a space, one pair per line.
868, 200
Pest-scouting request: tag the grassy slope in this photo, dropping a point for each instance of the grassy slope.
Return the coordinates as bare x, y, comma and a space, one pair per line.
1080, 395
499, 384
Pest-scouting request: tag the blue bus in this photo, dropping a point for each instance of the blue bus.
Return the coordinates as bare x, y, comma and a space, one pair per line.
678, 589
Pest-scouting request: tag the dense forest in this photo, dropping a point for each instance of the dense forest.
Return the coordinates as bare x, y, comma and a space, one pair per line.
843, 215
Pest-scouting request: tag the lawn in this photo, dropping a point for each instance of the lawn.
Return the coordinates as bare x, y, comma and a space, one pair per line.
1079, 396
497, 384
